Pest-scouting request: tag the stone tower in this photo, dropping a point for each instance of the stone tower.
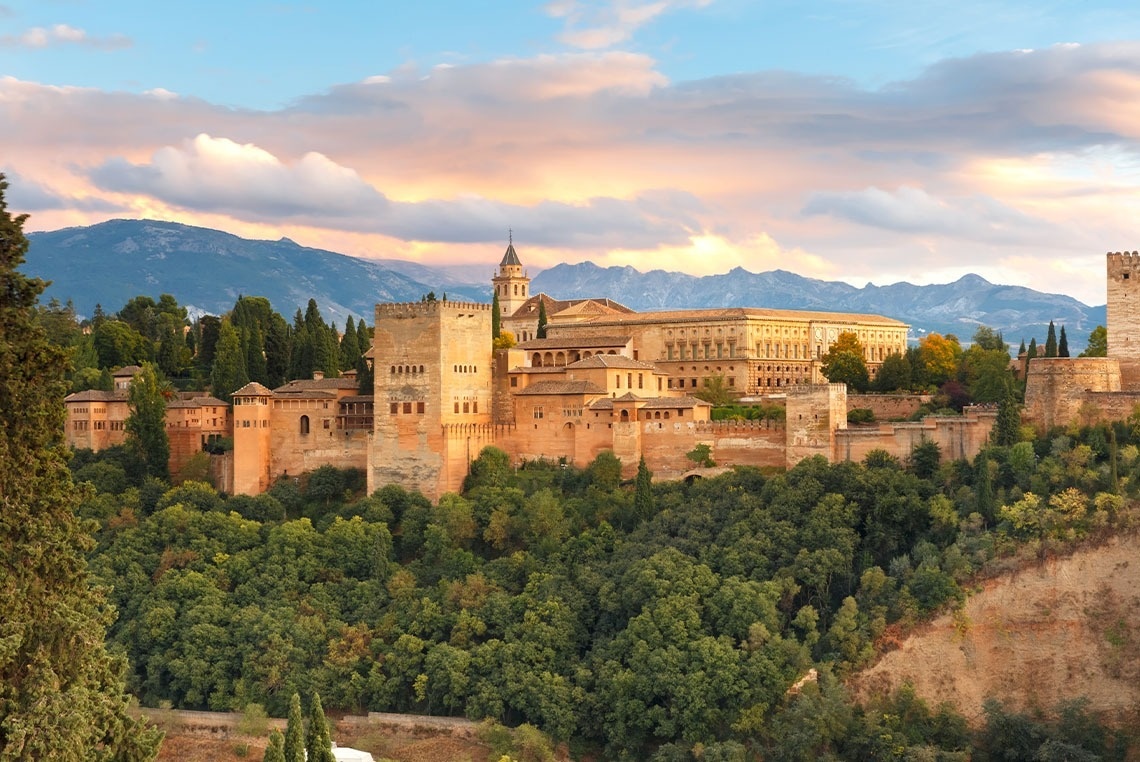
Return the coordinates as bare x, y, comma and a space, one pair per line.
511, 284
251, 411
1124, 315
432, 364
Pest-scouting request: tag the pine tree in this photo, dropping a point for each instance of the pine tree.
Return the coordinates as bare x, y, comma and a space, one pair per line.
295, 732
541, 332
277, 351
62, 695
318, 741
1063, 344
496, 318
1051, 341
254, 351
146, 424
643, 491
1021, 349
229, 372
275, 751
1032, 351
984, 488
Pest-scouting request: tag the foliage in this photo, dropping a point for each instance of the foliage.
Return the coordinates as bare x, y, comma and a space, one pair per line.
496, 316
146, 424
229, 373
540, 333
715, 390
318, 742
275, 751
894, 374
62, 694
1051, 341
294, 746
1098, 343
861, 415
505, 340
701, 455
940, 357
845, 362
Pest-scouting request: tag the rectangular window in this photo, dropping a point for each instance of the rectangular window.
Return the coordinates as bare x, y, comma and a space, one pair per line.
514, 380
420, 408
456, 407
326, 423
538, 412
475, 406
407, 408
394, 408
466, 407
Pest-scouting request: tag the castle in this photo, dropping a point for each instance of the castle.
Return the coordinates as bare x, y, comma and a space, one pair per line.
603, 378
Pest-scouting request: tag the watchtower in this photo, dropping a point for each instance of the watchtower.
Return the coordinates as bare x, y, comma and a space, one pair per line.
511, 284
1124, 314
432, 365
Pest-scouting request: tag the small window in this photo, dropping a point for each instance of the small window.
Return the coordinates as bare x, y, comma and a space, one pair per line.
394, 408
304, 424
420, 408
407, 408
514, 380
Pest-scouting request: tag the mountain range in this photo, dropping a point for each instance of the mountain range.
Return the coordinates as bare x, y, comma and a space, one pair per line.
206, 270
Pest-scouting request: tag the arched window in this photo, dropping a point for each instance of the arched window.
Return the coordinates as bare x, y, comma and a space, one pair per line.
304, 424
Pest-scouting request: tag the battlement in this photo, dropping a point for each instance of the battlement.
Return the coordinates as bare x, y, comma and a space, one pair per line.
403, 310
1122, 261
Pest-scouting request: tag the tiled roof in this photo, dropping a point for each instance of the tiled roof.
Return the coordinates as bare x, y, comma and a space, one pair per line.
554, 306
95, 395
562, 387
584, 342
735, 313
357, 398
127, 370
253, 389
314, 384
611, 361
674, 402
510, 257
193, 402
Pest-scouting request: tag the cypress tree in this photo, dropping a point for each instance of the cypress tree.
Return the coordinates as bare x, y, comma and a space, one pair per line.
277, 351
295, 732
1051, 341
275, 751
1032, 351
1063, 344
643, 491
146, 424
349, 346
62, 695
318, 741
1021, 349
984, 488
541, 332
496, 318
1008, 422
229, 372
254, 346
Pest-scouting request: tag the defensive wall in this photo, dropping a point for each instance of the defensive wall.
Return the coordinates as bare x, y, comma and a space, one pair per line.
1056, 388
1123, 313
888, 407
956, 436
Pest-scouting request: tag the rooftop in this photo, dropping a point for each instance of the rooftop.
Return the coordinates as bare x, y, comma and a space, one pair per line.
584, 342
562, 387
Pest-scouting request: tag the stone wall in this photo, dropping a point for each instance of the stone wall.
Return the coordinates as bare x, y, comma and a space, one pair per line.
1123, 305
814, 412
888, 406
1057, 387
956, 436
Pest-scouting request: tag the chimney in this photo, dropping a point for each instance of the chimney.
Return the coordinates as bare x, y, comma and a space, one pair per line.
318, 375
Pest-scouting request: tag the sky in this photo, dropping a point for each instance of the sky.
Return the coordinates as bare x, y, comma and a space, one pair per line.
855, 140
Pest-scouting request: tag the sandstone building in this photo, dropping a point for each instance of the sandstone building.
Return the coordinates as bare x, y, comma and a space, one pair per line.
604, 378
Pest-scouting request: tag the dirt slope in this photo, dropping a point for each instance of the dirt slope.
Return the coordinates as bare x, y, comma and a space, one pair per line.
1067, 628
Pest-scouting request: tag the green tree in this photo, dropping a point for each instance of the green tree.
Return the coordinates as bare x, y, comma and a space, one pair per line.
1051, 341
894, 374
1063, 344
1007, 426
715, 390
146, 423
208, 329
643, 491
987, 338
940, 357
318, 741
1098, 343
62, 695
295, 732
1032, 351
254, 351
844, 362
1021, 349
496, 318
117, 344
349, 346
275, 751
541, 332
229, 372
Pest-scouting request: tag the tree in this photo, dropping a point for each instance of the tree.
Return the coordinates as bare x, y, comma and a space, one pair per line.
295, 732
1063, 344
894, 374
715, 390
496, 318
275, 751
643, 491
541, 332
349, 346
987, 338
209, 327
1032, 351
1098, 343
318, 742
146, 423
1006, 431
1021, 349
940, 357
1051, 341
62, 695
229, 372
844, 362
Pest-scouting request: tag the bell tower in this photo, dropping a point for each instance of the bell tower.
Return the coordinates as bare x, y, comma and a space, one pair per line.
511, 285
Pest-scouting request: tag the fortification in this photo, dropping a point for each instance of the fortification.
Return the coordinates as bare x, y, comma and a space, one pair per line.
1056, 388
814, 413
432, 366
1124, 315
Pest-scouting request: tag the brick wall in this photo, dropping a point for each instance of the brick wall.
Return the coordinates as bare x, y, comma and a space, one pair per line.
888, 406
1056, 387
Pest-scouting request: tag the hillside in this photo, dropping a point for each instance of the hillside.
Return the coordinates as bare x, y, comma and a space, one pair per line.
1066, 629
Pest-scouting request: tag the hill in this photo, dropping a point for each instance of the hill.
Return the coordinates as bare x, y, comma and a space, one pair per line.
207, 270
958, 307
1066, 629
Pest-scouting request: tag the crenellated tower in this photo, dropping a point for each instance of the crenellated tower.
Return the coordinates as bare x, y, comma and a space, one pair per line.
1124, 314
511, 284
432, 366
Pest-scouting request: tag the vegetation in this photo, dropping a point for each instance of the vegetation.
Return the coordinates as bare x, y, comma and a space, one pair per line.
62, 693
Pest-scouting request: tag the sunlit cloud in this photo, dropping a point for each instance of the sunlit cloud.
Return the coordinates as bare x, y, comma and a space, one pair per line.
62, 34
597, 24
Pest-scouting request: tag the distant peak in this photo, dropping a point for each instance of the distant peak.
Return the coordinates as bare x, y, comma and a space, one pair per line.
287, 240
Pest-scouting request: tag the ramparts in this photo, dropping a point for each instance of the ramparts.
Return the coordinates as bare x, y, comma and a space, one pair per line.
1057, 387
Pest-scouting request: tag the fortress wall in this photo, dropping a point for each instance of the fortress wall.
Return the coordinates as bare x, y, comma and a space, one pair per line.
814, 412
957, 437
1123, 309
888, 406
578, 441
1107, 406
1056, 387
732, 443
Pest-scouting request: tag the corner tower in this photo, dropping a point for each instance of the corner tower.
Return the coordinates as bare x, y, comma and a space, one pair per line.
432, 393
1124, 315
512, 285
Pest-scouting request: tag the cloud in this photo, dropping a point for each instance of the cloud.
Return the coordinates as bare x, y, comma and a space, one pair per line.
25, 195
218, 175
63, 34
598, 24
913, 210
